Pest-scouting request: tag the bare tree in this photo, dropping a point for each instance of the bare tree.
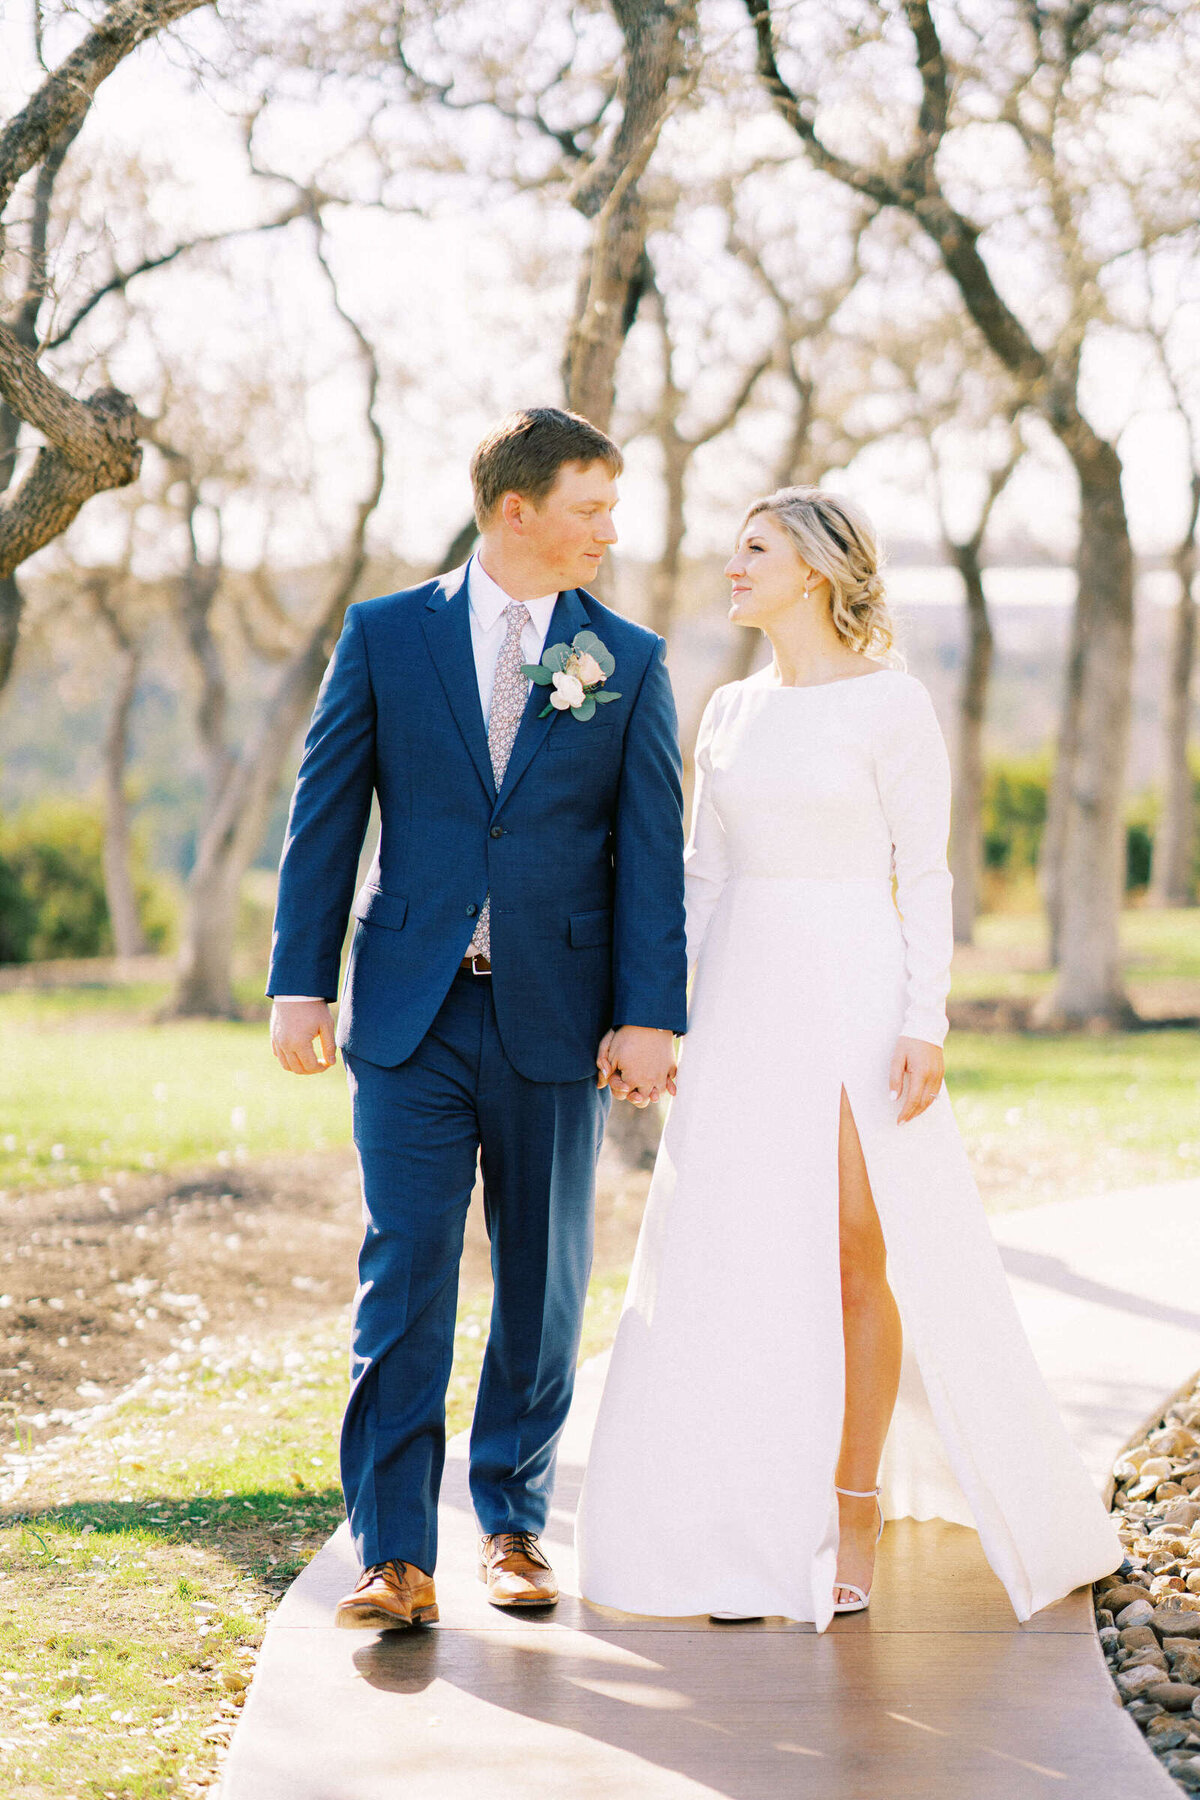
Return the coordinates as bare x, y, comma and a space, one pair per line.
242, 797
659, 69
1172, 881
89, 445
678, 446
966, 553
1036, 104
120, 887
603, 134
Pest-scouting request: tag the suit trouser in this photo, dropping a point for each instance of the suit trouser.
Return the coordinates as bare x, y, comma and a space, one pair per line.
418, 1129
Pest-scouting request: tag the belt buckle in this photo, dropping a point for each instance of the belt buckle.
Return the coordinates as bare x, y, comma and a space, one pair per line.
474, 959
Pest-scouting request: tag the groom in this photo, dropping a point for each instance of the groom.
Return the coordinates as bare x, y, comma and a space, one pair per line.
526, 895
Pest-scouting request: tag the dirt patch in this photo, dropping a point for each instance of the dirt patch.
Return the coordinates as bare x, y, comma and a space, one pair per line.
99, 1281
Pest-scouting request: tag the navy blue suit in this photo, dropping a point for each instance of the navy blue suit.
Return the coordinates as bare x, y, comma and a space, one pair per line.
581, 852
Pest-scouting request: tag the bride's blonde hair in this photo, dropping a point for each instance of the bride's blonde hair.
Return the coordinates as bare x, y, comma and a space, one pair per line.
836, 538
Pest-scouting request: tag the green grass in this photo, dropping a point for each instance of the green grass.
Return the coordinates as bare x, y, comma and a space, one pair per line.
1008, 957
79, 1105
1044, 1116
155, 1552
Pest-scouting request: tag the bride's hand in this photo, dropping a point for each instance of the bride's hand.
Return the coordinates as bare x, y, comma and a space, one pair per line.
602, 1062
915, 1077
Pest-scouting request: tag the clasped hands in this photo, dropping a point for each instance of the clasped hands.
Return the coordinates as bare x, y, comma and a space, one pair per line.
637, 1063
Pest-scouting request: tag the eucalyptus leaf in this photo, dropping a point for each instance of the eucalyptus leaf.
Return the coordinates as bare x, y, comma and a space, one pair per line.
603, 699
587, 643
556, 658
586, 710
535, 672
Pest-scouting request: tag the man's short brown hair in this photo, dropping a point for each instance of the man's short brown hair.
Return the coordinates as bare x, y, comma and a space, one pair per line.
523, 454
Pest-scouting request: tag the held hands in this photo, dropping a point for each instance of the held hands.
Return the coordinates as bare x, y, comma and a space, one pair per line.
638, 1063
915, 1077
295, 1024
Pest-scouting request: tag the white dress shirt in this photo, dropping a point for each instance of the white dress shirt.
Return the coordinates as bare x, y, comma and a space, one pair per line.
486, 601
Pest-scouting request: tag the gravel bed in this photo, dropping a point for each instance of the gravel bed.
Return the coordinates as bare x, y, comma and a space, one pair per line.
1148, 1612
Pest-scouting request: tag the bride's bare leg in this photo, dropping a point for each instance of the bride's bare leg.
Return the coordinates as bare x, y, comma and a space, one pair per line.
873, 1340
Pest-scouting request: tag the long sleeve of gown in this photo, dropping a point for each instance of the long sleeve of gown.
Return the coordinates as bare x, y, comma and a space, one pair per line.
706, 858
913, 775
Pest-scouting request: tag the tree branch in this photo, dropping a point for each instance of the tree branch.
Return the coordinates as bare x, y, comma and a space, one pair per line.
121, 278
61, 103
54, 488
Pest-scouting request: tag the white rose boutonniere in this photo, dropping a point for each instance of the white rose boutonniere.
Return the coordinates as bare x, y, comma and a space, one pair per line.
575, 674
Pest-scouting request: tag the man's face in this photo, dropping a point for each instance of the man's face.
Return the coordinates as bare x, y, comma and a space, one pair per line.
569, 532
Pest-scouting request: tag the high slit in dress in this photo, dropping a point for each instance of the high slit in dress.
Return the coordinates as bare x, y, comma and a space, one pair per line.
819, 927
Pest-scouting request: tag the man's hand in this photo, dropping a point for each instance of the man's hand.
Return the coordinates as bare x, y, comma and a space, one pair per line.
915, 1077
295, 1024
638, 1063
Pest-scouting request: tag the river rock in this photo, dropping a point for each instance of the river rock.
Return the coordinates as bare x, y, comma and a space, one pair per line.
1144, 1658
1134, 1684
1175, 1696
1165, 1732
1186, 1771
1171, 1440
1122, 1596
1151, 1472
1185, 1664
1170, 1621
1110, 1639
1135, 1635
1138, 1612
1182, 1512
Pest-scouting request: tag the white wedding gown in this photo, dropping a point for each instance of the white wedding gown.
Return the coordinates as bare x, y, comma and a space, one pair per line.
710, 1485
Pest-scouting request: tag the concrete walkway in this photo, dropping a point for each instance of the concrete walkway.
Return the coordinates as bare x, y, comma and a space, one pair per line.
935, 1692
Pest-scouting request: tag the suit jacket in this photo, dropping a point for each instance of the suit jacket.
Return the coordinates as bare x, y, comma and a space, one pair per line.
581, 851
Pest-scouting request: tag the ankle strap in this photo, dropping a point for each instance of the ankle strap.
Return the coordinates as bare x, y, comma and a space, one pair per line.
857, 1494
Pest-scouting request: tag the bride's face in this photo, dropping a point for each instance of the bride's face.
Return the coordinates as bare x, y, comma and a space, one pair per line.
766, 571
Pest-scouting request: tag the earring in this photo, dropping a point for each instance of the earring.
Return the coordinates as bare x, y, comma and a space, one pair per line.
808, 585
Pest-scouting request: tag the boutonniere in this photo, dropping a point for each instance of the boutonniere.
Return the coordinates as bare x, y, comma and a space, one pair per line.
575, 673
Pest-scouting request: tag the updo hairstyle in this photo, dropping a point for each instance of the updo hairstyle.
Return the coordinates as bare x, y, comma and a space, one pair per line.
836, 539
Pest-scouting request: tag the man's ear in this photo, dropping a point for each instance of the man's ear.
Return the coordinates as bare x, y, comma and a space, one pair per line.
513, 511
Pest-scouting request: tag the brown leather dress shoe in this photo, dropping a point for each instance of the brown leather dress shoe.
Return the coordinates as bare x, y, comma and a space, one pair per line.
389, 1596
516, 1572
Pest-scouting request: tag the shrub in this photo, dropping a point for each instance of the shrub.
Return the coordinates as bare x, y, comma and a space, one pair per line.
52, 899
1014, 812
1014, 818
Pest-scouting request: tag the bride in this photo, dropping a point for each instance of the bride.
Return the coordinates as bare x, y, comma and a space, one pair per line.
813, 1241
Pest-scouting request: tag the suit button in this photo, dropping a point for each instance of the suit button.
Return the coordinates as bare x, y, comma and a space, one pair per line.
471, 911
496, 831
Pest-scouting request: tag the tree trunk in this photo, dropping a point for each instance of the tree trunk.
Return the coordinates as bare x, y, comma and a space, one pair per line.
11, 604
1053, 835
664, 583
966, 832
658, 40
1171, 880
1089, 873
128, 937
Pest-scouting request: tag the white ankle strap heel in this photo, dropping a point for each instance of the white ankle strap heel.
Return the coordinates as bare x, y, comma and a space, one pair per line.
863, 1600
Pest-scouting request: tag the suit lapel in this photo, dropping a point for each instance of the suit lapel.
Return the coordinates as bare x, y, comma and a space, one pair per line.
447, 628
567, 618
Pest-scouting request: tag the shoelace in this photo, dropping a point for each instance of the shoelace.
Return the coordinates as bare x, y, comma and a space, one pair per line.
382, 1569
510, 1543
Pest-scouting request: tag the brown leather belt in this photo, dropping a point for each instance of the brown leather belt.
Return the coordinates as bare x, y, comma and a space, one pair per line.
475, 965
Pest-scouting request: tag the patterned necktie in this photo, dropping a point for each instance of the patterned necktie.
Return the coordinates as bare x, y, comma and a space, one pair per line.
510, 691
